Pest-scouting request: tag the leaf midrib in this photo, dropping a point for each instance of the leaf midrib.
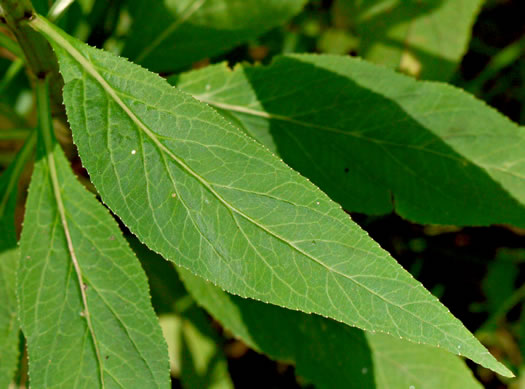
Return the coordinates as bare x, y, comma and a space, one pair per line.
112, 93
169, 30
42, 26
46, 128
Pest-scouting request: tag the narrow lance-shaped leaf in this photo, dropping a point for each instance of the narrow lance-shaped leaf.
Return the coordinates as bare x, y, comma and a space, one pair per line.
328, 353
167, 35
83, 297
9, 257
424, 38
375, 140
203, 194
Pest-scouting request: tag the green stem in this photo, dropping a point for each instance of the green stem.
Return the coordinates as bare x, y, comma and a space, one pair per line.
517, 297
58, 9
500, 61
10, 74
15, 133
11, 45
39, 57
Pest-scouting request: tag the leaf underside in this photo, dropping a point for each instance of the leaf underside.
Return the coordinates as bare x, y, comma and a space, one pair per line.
98, 333
207, 197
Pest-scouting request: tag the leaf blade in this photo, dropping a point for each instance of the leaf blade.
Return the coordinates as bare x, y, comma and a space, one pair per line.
425, 39
377, 141
97, 330
166, 37
289, 229
319, 347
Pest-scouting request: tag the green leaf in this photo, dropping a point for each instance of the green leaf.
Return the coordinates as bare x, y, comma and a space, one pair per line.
9, 328
424, 38
204, 195
375, 140
9, 257
83, 297
328, 353
194, 346
195, 352
166, 36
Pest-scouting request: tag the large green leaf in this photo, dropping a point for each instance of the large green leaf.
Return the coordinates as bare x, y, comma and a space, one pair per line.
375, 140
328, 353
167, 35
83, 297
203, 194
9, 257
426, 38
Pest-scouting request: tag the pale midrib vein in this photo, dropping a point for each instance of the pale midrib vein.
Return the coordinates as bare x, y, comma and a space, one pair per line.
162, 37
283, 118
46, 129
379, 143
41, 25
112, 310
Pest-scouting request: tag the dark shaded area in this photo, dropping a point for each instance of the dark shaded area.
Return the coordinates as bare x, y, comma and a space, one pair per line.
499, 25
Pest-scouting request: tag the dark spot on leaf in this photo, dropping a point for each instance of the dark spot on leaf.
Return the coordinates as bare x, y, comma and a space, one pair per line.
347, 170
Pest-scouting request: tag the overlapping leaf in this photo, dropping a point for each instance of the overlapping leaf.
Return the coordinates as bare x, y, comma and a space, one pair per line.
83, 297
328, 353
375, 140
201, 193
168, 35
425, 38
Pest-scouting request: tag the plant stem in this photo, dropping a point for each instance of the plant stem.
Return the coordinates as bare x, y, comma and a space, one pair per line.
517, 297
500, 61
39, 56
15, 134
57, 9
10, 74
11, 45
